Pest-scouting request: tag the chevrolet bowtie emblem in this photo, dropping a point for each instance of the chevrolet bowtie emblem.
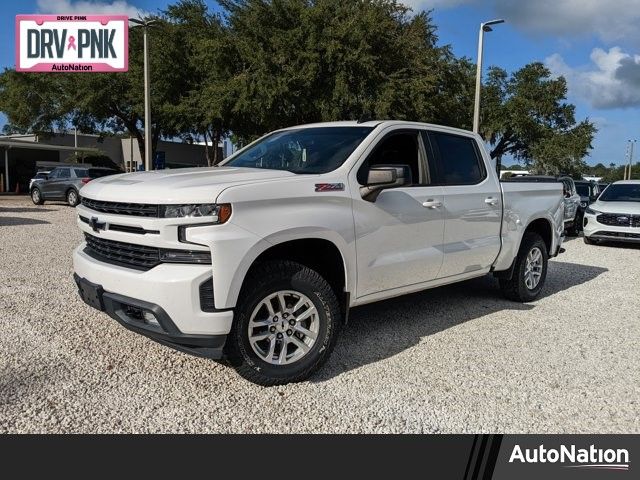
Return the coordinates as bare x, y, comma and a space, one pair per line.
97, 226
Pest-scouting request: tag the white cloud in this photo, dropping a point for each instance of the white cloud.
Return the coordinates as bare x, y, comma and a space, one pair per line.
610, 20
611, 81
117, 7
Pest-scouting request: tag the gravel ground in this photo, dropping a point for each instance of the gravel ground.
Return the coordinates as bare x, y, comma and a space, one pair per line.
453, 359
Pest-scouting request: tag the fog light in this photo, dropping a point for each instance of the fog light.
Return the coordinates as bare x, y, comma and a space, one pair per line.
150, 319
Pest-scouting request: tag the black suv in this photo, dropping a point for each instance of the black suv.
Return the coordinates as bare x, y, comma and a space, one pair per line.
589, 192
64, 183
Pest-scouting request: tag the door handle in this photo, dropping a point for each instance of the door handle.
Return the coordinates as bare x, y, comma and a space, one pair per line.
491, 201
432, 204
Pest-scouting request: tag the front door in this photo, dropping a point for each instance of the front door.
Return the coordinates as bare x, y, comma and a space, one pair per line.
399, 235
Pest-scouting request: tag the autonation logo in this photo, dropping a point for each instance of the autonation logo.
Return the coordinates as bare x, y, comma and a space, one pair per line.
573, 457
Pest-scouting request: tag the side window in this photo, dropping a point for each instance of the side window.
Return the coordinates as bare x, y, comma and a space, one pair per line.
80, 173
64, 173
402, 148
54, 174
457, 158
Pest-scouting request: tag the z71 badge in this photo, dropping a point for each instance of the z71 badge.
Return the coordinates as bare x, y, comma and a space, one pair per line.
329, 187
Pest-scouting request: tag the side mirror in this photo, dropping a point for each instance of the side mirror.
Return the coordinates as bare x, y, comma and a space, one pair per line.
382, 177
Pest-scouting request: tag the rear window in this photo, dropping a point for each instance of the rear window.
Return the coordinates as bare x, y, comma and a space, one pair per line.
621, 193
97, 172
583, 190
458, 159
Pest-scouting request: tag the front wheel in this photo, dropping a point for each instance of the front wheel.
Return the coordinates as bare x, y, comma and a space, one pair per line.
73, 198
36, 196
530, 270
286, 324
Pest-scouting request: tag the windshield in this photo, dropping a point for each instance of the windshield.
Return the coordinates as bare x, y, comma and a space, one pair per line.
583, 190
626, 192
305, 150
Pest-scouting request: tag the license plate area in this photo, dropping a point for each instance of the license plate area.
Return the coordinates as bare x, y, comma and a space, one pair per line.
91, 293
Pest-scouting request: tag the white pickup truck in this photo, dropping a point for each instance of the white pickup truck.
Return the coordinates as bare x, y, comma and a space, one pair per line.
258, 261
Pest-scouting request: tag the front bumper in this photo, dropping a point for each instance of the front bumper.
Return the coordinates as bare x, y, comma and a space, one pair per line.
595, 230
131, 313
173, 290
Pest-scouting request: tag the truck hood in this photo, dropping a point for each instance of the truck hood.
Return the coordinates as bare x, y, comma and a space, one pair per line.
188, 185
632, 208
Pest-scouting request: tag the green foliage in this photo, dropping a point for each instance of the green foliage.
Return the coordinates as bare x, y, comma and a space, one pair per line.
525, 115
268, 64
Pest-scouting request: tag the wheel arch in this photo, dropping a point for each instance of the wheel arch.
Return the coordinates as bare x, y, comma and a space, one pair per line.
314, 251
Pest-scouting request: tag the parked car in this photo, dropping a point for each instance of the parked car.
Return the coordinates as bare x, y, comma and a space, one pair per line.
38, 177
570, 194
64, 183
259, 260
615, 215
588, 191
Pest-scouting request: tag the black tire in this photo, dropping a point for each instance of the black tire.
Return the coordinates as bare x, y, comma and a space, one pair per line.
73, 198
268, 278
36, 196
515, 288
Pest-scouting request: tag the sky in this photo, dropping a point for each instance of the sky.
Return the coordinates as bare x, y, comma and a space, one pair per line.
594, 44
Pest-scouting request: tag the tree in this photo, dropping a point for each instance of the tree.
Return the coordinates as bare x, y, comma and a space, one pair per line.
301, 61
525, 115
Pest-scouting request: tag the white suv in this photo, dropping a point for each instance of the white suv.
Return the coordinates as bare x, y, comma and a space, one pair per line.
615, 215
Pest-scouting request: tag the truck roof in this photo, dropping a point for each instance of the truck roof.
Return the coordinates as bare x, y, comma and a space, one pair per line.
375, 123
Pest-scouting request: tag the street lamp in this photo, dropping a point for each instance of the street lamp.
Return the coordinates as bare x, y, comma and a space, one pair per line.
147, 96
630, 144
484, 27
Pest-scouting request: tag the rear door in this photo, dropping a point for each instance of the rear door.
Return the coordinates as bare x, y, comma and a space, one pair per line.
472, 203
48, 187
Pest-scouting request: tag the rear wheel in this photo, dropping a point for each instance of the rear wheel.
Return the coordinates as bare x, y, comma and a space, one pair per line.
36, 196
73, 198
286, 324
530, 271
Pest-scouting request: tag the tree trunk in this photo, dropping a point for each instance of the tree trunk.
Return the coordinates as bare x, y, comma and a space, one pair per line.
216, 141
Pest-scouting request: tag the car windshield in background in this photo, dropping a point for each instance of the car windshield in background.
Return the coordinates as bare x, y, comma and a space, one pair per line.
305, 150
621, 193
583, 190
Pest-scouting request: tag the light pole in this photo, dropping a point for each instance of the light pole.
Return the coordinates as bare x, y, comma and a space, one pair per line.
147, 95
631, 144
484, 27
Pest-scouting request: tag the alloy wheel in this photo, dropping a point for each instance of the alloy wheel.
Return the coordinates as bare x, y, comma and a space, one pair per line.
283, 327
533, 268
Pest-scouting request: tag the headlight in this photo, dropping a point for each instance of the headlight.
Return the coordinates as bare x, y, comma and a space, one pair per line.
591, 211
219, 213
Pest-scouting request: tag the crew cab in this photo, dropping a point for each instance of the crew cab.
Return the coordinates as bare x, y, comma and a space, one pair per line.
259, 260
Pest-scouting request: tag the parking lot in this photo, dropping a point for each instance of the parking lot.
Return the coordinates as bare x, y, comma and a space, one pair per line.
453, 359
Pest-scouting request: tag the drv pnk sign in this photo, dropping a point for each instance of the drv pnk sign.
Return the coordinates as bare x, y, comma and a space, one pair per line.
72, 43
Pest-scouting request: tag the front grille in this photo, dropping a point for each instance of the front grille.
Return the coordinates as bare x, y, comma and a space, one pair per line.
123, 228
206, 296
119, 208
619, 220
617, 235
139, 257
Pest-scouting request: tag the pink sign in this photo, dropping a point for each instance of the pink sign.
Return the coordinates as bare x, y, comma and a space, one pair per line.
72, 43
